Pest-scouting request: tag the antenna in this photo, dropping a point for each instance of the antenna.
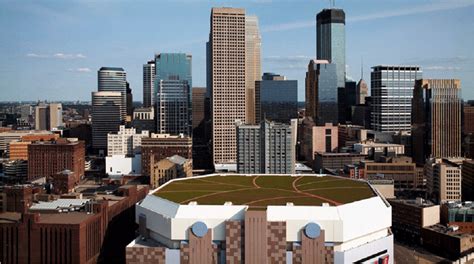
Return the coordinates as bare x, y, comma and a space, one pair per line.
361, 68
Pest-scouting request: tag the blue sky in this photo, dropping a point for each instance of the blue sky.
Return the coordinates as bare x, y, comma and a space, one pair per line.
53, 49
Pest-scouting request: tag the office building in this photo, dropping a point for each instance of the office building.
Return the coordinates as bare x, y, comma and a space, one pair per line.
334, 162
144, 119
366, 147
106, 116
169, 168
458, 213
161, 146
400, 169
19, 149
331, 41
198, 101
129, 98
126, 141
409, 217
47, 158
448, 241
253, 70
322, 92
149, 84
468, 129
347, 98
113, 79
227, 76
322, 139
443, 180
436, 129
294, 229
362, 91
68, 230
266, 148
14, 172
48, 116
276, 98
173, 84
467, 184
391, 97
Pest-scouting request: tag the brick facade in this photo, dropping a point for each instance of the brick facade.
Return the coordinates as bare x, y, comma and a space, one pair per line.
145, 255
276, 242
234, 240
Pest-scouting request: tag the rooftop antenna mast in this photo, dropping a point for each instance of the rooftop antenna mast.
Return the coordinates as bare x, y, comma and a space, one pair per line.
361, 68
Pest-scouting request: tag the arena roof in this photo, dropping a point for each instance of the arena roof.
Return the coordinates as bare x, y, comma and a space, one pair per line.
260, 191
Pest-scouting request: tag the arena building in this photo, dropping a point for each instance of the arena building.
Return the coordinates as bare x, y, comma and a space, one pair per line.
263, 219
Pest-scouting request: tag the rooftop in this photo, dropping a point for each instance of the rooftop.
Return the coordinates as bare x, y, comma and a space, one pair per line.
260, 191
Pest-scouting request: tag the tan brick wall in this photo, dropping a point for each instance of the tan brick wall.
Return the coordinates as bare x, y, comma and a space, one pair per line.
145, 255
276, 242
234, 239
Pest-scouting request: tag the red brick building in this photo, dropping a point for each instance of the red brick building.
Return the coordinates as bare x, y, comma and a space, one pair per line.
46, 159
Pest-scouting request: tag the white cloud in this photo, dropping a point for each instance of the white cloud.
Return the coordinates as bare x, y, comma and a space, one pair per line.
58, 55
85, 69
441, 68
421, 9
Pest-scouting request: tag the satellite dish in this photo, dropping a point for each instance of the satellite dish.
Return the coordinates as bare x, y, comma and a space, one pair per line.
312, 230
199, 229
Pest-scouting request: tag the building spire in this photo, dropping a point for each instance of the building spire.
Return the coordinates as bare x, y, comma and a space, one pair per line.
361, 68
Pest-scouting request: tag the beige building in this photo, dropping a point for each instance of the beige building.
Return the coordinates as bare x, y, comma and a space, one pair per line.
468, 180
227, 81
253, 69
366, 146
168, 169
321, 139
443, 180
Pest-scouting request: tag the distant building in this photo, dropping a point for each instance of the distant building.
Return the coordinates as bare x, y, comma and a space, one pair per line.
169, 168
198, 101
114, 79
173, 93
467, 184
149, 84
362, 91
161, 146
318, 139
322, 92
19, 149
401, 170
46, 159
14, 171
129, 98
9, 136
266, 148
448, 241
335, 161
348, 135
144, 119
436, 129
106, 116
391, 97
331, 41
347, 101
276, 98
458, 213
366, 147
48, 116
120, 164
410, 216
443, 180
468, 130
253, 68
125, 142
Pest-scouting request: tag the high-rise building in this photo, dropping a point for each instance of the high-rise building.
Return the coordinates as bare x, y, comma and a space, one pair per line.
331, 40
391, 97
48, 116
362, 91
173, 84
276, 98
253, 71
198, 101
346, 99
227, 59
443, 180
317, 139
113, 79
144, 119
129, 98
322, 92
266, 148
468, 180
149, 84
106, 116
436, 119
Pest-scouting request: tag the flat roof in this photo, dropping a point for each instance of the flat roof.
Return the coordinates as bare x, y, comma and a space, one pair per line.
260, 191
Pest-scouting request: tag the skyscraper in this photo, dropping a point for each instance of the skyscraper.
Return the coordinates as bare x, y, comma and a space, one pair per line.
149, 84
113, 79
48, 116
276, 98
362, 91
106, 116
391, 95
331, 40
436, 116
321, 92
253, 70
173, 84
227, 62
42, 117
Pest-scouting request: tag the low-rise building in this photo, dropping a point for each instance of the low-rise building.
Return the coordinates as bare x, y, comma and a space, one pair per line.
447, 241
467, 182
370, 146
317, 139
443, 180
335, 161
123, 164
170, 168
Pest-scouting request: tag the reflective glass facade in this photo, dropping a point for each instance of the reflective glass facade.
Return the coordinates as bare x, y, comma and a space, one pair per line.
327, 93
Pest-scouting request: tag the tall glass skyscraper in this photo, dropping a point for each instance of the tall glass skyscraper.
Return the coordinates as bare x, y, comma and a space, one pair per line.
276, 98
149, 84
114, 79
173, 84
331, 40
391, 95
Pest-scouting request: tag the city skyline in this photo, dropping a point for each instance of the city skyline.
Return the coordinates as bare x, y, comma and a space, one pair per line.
61, 65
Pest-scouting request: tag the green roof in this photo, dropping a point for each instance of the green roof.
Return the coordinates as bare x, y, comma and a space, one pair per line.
262, 190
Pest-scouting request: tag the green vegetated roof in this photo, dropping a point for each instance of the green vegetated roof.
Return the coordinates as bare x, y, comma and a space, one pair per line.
259, 191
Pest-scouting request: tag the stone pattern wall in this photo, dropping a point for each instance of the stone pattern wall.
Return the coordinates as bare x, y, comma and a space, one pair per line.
234, 242
276, 242
145, 255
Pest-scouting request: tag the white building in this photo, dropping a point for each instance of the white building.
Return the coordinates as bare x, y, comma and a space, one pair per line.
125, 142
366, 147
123, 165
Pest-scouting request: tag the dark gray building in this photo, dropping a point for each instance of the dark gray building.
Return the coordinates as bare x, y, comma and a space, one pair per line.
149, 84
266, 148
106, 116
113, 79
276, 98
